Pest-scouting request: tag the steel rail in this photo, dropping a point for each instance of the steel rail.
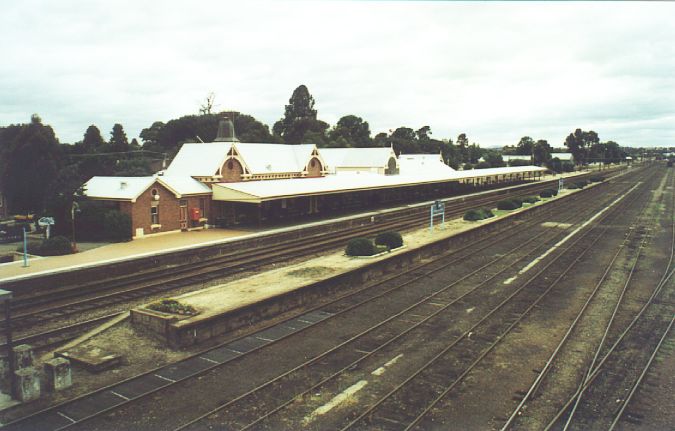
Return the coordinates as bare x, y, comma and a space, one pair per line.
318, 307
664, 279
549, 363
459, 378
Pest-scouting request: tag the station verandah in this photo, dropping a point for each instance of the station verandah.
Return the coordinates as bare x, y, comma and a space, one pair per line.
292, 209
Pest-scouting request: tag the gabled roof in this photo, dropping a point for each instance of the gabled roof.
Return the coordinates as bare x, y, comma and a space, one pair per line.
411, 164
130, 188
357, 157
117, 188
199, 160
275, 158
183, 185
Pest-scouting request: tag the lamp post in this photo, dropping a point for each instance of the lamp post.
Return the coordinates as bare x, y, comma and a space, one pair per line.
6, 296
73, 209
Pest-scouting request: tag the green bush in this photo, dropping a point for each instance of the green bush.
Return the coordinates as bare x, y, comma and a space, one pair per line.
55, 246
117, 226
509, 204
572, 186
390, 239
567, 167
473, 215
531, 199
582, 183
486, 212
547, 193
360, 247
597, 179
172, 306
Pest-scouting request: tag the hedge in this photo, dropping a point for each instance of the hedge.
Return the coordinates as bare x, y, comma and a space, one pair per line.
596, 179
531, 199
509, 204
390, 239
548, 193
360, 247
54, 246
478, 214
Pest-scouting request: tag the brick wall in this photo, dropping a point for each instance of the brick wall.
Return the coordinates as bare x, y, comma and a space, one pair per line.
315, 170
169, 210
231, 171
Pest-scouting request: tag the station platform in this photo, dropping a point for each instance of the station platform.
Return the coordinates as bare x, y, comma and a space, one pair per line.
117, 251
172, 241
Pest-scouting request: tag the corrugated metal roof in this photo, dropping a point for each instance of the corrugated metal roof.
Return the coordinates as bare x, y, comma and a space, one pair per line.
275, 158
117, 188
258, 191
357, 157
130, 188
199, 160
411, 164
184, 185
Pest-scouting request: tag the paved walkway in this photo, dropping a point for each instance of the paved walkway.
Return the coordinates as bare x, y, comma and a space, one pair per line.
151, 244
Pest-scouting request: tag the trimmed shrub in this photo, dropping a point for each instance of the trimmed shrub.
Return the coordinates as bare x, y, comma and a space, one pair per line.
547, 193
172, 306
567, 167
55, 246
572, 186
117, 226
478, 214
486, 212
391, 239
473, 215
596, 179
360, 247
531, 199
509, 204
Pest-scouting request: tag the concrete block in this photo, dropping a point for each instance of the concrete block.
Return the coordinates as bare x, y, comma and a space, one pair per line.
58, 374
23, 357
27, 384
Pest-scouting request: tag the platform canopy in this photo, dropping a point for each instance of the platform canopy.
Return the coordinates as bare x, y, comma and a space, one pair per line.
261, 191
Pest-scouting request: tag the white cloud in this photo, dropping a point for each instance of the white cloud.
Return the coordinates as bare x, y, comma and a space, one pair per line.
496, 71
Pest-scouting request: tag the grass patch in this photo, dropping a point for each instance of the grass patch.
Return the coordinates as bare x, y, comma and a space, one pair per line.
312, 271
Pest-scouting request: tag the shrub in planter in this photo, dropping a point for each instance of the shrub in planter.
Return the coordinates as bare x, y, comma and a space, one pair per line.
531, 199
509, 204
597, 179
55, 246
360, 247
572, 186
173, 307
391, 239
473, 215
486, 212
546, 194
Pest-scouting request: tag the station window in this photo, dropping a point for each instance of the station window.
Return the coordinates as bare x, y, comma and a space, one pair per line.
154, 215
182, 203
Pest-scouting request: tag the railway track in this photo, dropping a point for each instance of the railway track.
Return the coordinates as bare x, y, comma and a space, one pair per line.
58, 303
604, 394
384, 294
569, 351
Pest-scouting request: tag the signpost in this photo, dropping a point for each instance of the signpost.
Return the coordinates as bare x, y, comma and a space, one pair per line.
46, 222
438, 208
25, 247
560, 185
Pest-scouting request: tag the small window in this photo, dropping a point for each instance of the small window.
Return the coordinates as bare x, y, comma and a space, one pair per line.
312, 163
154, 215
154, 192
182, 202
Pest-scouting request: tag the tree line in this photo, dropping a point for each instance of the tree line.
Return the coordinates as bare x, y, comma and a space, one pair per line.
38, 174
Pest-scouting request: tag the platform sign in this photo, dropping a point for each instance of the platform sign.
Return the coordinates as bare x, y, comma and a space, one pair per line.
560, 185
437, 208
46, 222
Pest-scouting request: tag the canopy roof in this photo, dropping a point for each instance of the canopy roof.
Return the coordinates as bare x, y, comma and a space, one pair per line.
260, 191
130, 188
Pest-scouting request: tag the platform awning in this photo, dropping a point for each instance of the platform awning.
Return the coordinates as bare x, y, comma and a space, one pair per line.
261, 191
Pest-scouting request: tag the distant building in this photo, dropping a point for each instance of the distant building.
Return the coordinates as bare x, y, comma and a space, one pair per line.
227, 182
380, 160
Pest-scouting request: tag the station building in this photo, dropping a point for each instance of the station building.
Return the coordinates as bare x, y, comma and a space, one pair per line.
228, 183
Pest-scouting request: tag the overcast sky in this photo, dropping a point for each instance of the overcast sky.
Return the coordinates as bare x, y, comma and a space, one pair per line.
496, 71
